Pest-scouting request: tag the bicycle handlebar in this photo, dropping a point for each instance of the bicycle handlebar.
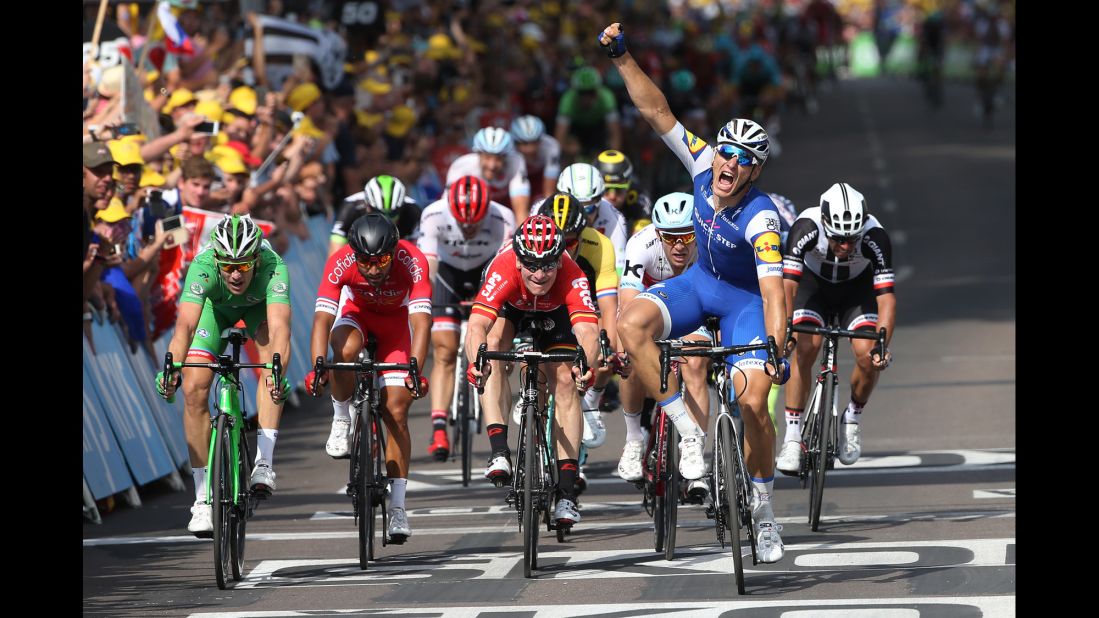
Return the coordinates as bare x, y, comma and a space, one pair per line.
835, 332
704, 349
529, 357
224, 366
367, 366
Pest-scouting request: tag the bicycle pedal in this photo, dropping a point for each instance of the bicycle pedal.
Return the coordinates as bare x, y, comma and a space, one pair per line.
397, 539
710, 514
261, 492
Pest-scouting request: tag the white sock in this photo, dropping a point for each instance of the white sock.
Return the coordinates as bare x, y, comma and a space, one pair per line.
793, 426
341, 409
265, 445
853, 411
199, 474
761, 489
633, 426
396, 495
676, 409
593, 398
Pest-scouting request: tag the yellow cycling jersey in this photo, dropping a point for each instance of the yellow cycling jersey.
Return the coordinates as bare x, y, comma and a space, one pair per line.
596, 258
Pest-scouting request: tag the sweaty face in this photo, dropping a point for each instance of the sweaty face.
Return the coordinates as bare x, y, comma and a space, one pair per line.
616, 196
540, 281
730, 176
844, 249
373, 271
529, 150
236, 279
492, 165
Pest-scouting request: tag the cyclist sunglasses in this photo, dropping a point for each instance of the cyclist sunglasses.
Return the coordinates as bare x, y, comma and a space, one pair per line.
380, 261
228, 267
844, 239
728, 151
670, 239
589, 207
533, 268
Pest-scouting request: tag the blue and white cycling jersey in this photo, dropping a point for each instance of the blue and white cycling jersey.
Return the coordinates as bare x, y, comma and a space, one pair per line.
732, 241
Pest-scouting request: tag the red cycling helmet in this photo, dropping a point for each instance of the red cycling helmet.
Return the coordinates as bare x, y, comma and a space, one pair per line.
538, 241
468, 199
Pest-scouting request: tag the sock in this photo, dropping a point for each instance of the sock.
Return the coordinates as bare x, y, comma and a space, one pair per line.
593, 398
793, 424
396, 492
199, 474
265, 445
438, 420
676, 410
341, 409
761, 489
498, 438
633, 426
566, 473
854, 409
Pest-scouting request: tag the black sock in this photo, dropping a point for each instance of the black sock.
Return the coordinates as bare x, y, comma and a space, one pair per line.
566, 473
498, 438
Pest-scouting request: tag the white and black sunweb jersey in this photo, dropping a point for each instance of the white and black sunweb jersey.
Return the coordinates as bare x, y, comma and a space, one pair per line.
807, 246
646, 262
441, 237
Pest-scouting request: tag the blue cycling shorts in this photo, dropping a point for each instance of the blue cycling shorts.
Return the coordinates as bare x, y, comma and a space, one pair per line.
686, 300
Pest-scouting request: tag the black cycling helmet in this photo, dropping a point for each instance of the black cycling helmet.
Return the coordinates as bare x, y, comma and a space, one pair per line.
373, 234
565, 211
616, 169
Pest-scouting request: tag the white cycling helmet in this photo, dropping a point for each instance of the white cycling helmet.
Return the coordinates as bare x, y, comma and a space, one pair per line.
527, 128
583, 181
492, 140
748, 135
842, 210
674, 211
236, 237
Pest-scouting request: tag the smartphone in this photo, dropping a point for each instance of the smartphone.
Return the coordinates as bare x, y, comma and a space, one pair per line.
129, 128
173, 226
207, 128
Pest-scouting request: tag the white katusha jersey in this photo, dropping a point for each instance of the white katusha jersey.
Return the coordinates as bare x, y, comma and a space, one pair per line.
611, 223
513, 182
441, 237
646, 262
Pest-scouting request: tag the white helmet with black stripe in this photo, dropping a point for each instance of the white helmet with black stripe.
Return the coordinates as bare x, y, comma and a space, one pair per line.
842, 210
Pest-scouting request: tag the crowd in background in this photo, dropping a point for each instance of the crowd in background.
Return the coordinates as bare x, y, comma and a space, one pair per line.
402, 91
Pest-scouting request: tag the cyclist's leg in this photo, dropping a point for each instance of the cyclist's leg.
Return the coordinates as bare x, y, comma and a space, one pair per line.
694, 380
269, 412
394, 338
206, 346
860, 314
809, 308
496, 399
445, 329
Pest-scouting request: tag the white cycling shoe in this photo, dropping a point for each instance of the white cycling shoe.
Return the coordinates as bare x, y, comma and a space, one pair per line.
789, 458
769, 547
850, 446
595, 432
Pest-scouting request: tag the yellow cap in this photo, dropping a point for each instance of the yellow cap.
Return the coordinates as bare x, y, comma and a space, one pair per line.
374, 86
243, 99
114, 212
211, 109
125, 153
308, 128
400, 121
179, 98
440, 47
149, 178
303, 96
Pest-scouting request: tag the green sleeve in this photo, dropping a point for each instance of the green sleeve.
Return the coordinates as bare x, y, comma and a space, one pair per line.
567, 106
201, 279
607, 102
278, 281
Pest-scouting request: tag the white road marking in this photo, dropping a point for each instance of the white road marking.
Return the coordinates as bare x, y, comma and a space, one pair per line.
880, 558
999, 494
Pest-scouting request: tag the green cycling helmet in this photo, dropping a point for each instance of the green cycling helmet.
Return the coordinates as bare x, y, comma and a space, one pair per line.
586, 78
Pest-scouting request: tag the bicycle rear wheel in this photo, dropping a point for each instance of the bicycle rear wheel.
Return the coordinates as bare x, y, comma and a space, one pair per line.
671, 491
823, 451
531, 468
222, 503
728, 488
364, 487
466, 441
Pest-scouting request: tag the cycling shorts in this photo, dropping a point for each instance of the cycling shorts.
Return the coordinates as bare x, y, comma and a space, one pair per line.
392, 331
852, 301
451, 287
207, 343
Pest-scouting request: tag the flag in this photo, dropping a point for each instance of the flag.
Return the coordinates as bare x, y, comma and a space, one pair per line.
283, 39
176, 40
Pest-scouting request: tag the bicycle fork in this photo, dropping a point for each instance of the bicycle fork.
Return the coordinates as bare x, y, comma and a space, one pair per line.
227, 398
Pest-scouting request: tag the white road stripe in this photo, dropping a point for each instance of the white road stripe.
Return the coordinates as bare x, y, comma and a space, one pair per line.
1000, 494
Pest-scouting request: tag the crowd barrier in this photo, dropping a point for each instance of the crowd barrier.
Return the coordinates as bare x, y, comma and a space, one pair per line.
132, 437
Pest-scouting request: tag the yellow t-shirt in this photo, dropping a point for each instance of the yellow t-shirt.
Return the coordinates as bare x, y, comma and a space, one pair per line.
596, 258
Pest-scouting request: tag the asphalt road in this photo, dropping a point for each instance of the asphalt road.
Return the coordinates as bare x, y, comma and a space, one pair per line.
923, 524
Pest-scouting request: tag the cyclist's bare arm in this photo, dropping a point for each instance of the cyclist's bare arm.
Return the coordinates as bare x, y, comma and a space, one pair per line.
421, 336
790, 287
476, 333
186, 323
648, 99
318, 340
887, 315
278, 336
774, 310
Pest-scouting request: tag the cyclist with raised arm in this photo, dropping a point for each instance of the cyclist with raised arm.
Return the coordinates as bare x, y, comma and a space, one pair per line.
617, 171
495, 161
737, 278
594, 254
838, 262
533, 278
541, 152
661, 250
236, 276
387, 294
461, 233
385, 194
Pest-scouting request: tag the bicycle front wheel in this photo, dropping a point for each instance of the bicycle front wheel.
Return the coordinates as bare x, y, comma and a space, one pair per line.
240, 515
531, 467
824, 449
728, 488
464, 431
671, 491
364, 486
221, 497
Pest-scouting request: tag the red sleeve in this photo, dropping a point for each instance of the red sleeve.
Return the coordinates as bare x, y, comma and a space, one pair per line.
411, 260
501, 282
573, 286
337, 272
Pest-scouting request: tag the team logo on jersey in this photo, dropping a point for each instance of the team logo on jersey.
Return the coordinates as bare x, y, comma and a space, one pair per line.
197, 289
694, 144
202, 332
767, 247
279, 288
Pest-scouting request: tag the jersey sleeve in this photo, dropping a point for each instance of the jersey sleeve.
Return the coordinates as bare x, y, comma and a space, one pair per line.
606, 275
552, 157
578, 296
349, 211
201, 278
692, 150
519, 185
499, 285
430, 228
508, 216
633, 273
412, 261
876, 246
608, 102
337, 271
803, 235
278, 283
566, 109
617, 235
763, 231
